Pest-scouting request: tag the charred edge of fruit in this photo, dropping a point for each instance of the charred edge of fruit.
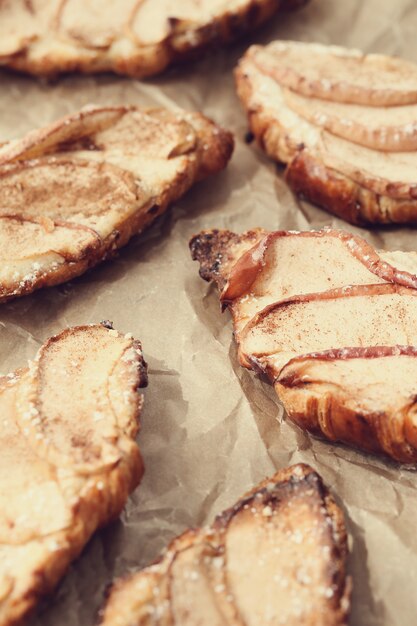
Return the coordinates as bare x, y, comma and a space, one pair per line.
274, 491
210, 248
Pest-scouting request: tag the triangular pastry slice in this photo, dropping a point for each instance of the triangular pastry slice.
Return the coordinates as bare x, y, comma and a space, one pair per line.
345, 124
276, 557
74, 192
332, 322
68, 458
134, 37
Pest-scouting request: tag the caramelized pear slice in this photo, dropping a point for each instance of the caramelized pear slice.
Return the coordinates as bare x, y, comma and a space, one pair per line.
339, 74
363, 315
257, 269
389, 129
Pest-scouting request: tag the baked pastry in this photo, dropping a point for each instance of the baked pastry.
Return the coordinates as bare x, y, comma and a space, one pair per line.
344, 123
276, 557
331, 322
68, 456
133, 37
74, 192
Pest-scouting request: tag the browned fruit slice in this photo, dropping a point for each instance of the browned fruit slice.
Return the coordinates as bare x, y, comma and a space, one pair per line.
277, 556
340, 74
331, 354
69, 423
74, 192
389, 129
257, 269
134, 37
363, 315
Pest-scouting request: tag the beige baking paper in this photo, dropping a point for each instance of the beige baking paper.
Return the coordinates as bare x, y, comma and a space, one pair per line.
211, 430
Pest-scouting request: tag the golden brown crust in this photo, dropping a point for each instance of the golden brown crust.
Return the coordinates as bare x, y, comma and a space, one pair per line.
338, 194
335, 338
70, 437
269, 133
121, 50
203, 573
315, 169
113, 189
331, 415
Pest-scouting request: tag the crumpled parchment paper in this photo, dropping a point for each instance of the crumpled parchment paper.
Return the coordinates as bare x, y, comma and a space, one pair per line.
211, 430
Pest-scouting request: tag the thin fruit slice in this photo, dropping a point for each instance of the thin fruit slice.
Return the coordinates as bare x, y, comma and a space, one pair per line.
258, 269
389, 129
277, 556
340, 74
